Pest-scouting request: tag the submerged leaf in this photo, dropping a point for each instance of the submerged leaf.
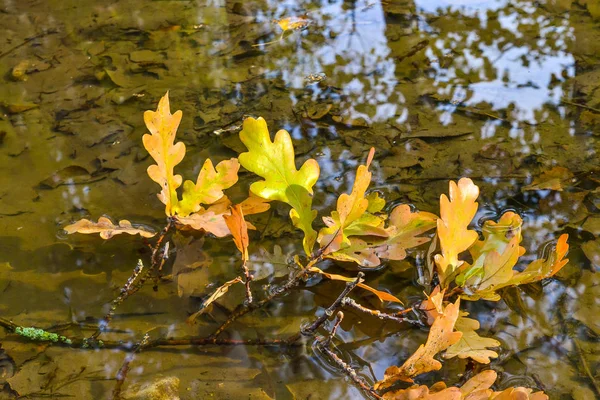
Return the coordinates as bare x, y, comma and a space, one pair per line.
456, 214
221, 290
553, 179
167, 154
471, 345
274, 161
107, 229
293, 23
209, 186
441, 336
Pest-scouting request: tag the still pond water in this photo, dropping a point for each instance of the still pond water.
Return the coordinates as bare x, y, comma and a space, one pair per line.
496, 90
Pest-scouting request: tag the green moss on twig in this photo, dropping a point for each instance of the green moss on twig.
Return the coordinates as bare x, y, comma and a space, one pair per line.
40, 335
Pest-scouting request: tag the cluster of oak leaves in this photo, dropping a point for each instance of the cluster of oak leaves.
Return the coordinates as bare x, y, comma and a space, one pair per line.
357, 231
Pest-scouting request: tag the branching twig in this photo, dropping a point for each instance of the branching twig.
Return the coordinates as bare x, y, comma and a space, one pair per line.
324, 346
310, 330
348, 302
249, 278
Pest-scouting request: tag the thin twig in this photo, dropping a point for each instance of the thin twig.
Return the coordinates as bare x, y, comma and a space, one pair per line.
324, 346
122, 374
30, 39
348, 302
249, 278
309, 331
124, 293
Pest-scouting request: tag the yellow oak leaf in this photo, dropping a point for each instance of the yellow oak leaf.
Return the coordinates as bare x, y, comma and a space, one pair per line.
209, 186
239, 229
107, 229
497, 235
497, 272
254, 205
274, 161
167, 154
350, 208
471, 345
293, 23
441, 336
478, 387
452, 228
545, 268
403, 232
381, 295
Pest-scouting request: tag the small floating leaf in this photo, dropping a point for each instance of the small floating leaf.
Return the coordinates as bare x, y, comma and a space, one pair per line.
221, 290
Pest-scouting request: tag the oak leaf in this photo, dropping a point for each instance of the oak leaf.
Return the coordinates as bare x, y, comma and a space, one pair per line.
433, 305
438, 391
293, 23
239, 229
107, 229
209, 219
553, 179
545, 268
471, 345
221, 290
381, 295
209, 186
167, 154
403, 232
497, 236
441, 336
274, 161
350, 217
456, 214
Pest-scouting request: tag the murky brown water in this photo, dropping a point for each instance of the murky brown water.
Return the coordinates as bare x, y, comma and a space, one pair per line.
496, 90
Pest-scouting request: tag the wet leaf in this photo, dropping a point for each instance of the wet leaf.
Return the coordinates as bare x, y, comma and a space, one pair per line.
190, 269
68, 175
350, 208
167, 154
403, 232
107, 229
52, 282
439, 391
553, 179
221, 290
209, 219
208, 187
381, 295
456, 215
545, 268
269, 265
239, 229
471, 345
433, 305
274, 161
441, 336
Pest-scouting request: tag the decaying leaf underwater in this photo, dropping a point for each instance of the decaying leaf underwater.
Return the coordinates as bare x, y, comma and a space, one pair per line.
470, 265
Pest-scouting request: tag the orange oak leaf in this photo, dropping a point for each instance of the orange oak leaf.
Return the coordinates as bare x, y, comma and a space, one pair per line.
239, 229
433, 305
441, 336
167, 154
107, 229
293, 23
545, 268
209, 186
438, 391
452, 228
381, 295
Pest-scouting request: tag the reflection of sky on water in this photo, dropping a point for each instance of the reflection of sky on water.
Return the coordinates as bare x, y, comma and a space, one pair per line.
354, 54
522, 76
